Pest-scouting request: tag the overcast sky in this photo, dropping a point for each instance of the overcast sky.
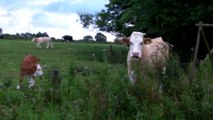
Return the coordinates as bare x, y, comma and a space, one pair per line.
56, 17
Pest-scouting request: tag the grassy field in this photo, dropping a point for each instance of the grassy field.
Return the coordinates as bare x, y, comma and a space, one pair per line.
82, 54
94, 86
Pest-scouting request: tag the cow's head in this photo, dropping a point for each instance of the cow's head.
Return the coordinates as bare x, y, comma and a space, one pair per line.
135, 44
38, 71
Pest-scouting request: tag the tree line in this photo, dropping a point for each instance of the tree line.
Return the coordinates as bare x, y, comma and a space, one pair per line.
23, 36
99, 37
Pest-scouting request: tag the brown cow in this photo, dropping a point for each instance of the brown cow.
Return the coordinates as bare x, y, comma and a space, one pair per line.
29, 67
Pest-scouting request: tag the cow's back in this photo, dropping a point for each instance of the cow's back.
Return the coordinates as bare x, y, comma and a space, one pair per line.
29, 63
155, 52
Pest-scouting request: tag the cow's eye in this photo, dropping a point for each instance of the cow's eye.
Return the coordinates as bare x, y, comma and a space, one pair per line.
141, 43
130, 43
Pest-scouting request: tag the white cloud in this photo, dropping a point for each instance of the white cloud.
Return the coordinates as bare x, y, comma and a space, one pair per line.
76, 1
36, 16
3, 12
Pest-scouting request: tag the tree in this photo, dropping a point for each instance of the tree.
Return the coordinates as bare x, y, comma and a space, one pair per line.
100, 37
174, 20
39, 34
88, 38
1, 36
86, 19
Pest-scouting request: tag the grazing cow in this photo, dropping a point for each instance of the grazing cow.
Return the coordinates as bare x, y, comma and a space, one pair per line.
40, 40
145, 51
68, 38
29, 67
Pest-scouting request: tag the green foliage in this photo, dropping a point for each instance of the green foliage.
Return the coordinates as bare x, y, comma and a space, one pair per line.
99, 37
86, 19
155, 16
88, 37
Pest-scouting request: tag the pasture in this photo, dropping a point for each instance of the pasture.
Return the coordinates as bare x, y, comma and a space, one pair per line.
94, 85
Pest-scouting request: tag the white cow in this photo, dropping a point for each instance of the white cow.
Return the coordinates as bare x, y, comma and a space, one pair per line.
40, 40
145, 52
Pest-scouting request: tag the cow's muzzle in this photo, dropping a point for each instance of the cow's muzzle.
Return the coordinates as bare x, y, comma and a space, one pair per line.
135, 55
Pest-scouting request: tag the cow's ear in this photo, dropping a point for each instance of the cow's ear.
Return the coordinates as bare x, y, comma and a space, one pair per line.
34, 66
126, 41
147, 41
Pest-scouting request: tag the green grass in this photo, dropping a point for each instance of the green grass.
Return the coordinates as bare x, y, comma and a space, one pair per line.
12, 53
94, 86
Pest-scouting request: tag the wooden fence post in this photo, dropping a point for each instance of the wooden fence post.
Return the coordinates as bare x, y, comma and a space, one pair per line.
196, 52
200, 31
54, 93
207, 46
55, 78
197, 43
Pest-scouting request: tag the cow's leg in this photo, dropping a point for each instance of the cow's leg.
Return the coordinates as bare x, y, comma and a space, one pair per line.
131, 74
164, 71
160, 84
51, 44
48, 44
38, 45
20, 81
31, 81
